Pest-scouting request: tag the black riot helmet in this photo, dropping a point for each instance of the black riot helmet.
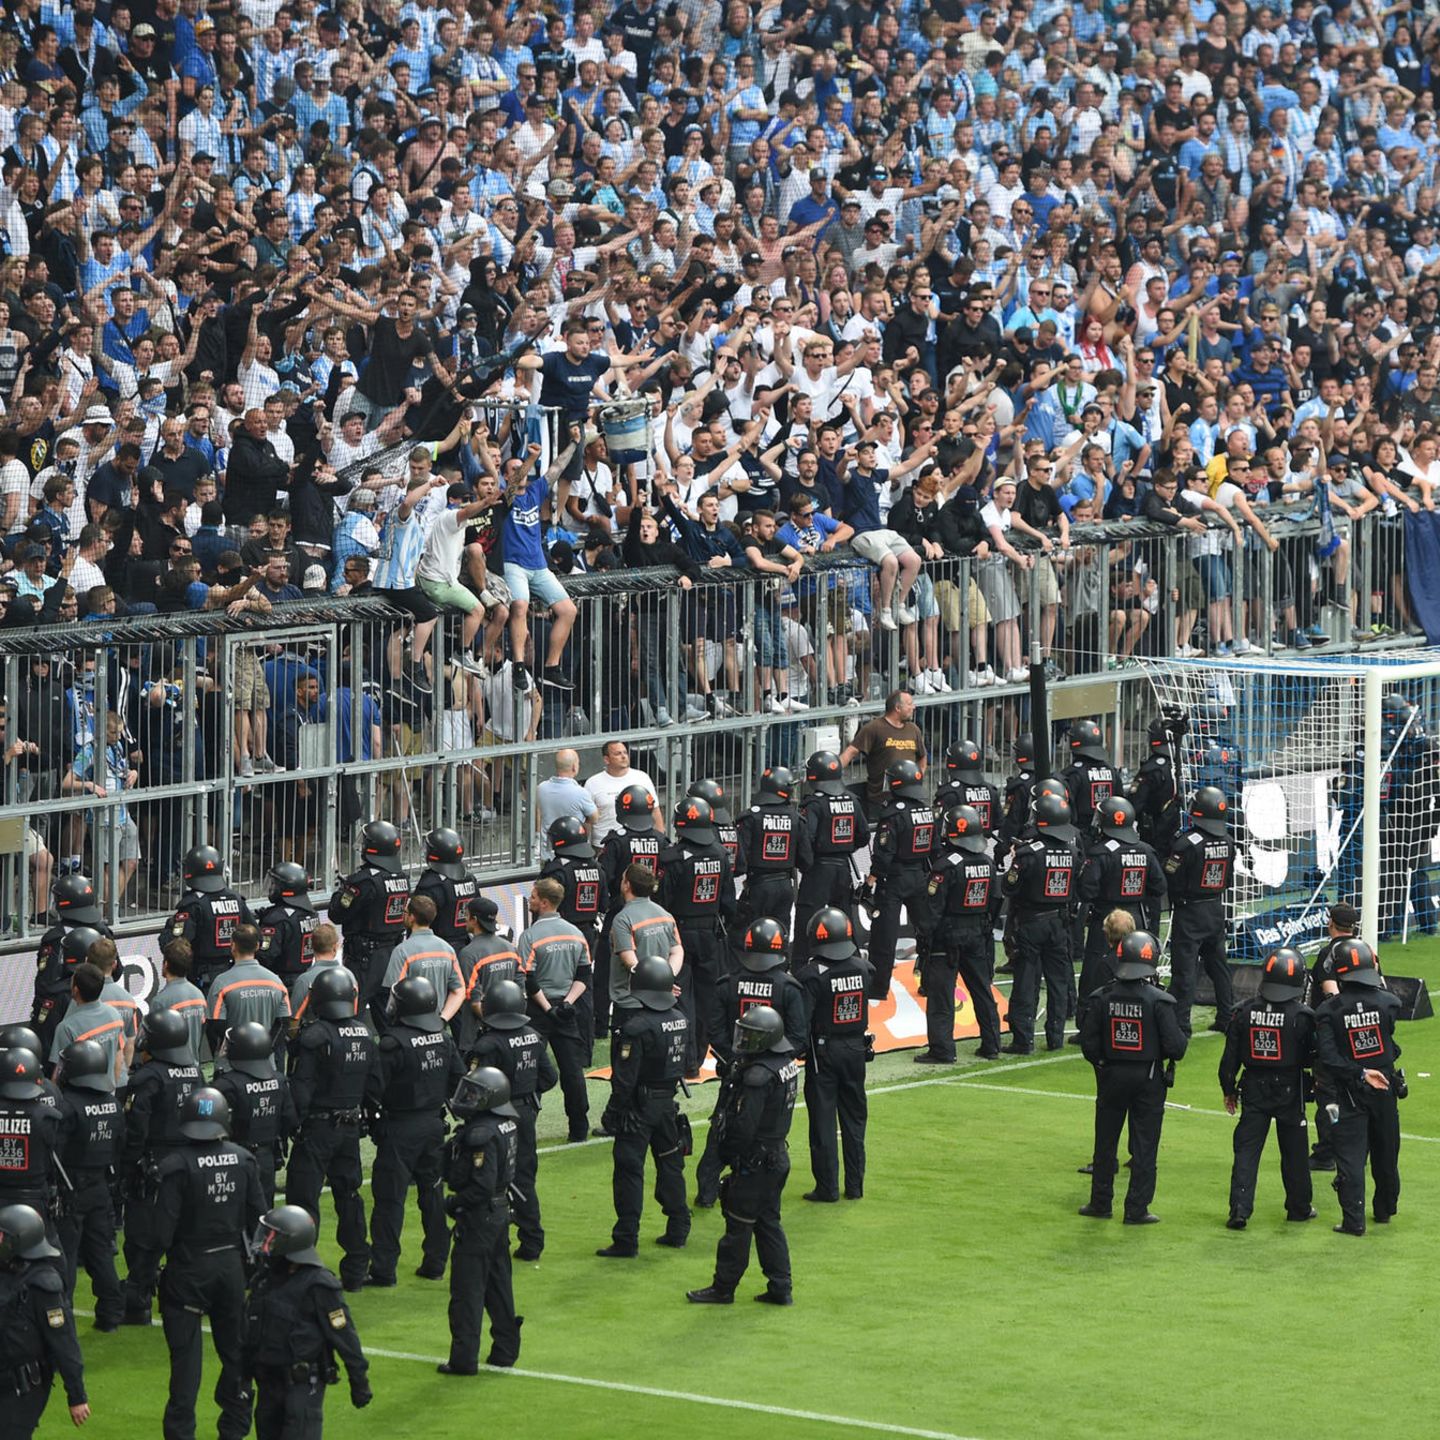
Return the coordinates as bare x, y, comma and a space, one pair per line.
1024, 749
1352, 962
85, 1065
1158, 733
1136, 956
634, 807
695, 820
22, 1235
483, 1089
652, 983
777, 785
288, 881
445, 853
1050, 812
1087, 741
75, 944
710, 791
964, 757
762, 946
1209, 811
165, 1036
760, 1029
568, 837
287, 1232
20, 1074
830, 934
249, 1050
204, 870
502, 1006
963, 829
20, 1037
1116, 817
72, 899
205, 1114
824, 772
903, 778
413, 1002
380, 846
1283, 977
333, 993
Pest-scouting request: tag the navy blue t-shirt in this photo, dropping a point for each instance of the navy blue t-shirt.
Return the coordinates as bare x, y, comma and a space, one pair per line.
567, 384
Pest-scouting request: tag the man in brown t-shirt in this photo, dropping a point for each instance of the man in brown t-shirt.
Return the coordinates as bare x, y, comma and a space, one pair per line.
883, 742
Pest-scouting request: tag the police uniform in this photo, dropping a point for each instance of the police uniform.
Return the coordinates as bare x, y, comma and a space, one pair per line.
900, 860
1089, 782
964, 895
1155, 793
29, 1141
839, 1012
451, 895
1198, 873
91, 1131
207, 921
369, 907
287, 929
638, 843
1015, 810
832, 828
55, 974
262, 1118
1121, 872
1322, 1152
769, 840
37, 1333
586, 899
1041, 885
985, 798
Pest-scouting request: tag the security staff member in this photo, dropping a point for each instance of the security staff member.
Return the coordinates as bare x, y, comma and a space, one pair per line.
369, 907
832, 828
1090, 777
36, 1324
769, 836
332, 1064
246, 993
697, 887
509, 1042
88, 1016
418, 1068
262, 1110
647, 1062
178, 994
91, 1130
587, 895
1155, 790
964, 893
761, 980
1041, 884
1131, 1034
72, 904
207, 915
834, 980
555, 962
636, 842
296, 1324
447, 883
964, 783
423, 953
726, 830
210, 1203
479, 1169
1342, 922
1016, 804
899, 868
1272, 1039
1199, 871
1355, 1046
758, 1112
159, 1087
488, 957
287, 924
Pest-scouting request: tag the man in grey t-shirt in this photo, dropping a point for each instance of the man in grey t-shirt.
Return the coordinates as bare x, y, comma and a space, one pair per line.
641, 928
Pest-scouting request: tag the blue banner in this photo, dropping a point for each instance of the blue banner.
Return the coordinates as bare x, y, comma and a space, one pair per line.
1257, 935
1422, 570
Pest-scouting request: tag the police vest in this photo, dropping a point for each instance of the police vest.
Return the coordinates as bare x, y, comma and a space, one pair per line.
623, 849
345, 1052
692, 883
493, 1137
1200, 868
1123, 871
913, 825
834, 830
29, 1130
377, 911
662, 1037
585, 894
451, 898
839, 1004
1090, 783
1128, 1029
966, 883
1270, 1036
1364, 1030
1046, 873
213, 1177
770, 839
778, 1078
255, 1107
516, 1052
728, 834
284, 1325
985, 798
171, 1084
418, 1069
287, 939
210, 921
92, 1142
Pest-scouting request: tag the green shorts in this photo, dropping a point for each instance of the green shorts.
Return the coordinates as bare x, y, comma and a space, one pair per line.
448, 595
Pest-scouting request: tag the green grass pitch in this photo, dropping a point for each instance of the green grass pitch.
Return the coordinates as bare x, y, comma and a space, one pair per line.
963, 1297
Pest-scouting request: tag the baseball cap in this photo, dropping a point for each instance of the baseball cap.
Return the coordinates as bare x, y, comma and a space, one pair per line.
817, 172
1025, 335
879, 173
751, 258
1346, 916
143, 32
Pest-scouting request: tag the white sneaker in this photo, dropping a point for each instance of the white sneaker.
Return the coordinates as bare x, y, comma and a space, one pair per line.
906, 614
695, 712
1188, 652
776, 707
247, 767
887, 621
919, 684
938, 683
1017, 676
985, 676
795, 705
972, 680
662, 717
1243, 646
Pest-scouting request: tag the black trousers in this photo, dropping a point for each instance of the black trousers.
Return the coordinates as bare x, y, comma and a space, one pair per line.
1323, 1150
1368, 1127
480, 1283
903, 888
829, 881
526, 1208
324, 1151
835, 1090
699, 975
23, 1412
409, 1148
1042, 947
711, 1165
1131, 1091
1197, 937
569, 1046
142, 1256
600, 985
288, 1409
1263, 1099
969, 957
769, 893
366, 958
651, 1127
213, 1286
87, 1236
750, 1201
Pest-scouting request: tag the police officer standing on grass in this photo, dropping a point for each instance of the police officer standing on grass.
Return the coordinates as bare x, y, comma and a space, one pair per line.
727, 832
207, 915
209, 1205
964, 783
697, 887
832, 828
297, 1324
1016, 804
760, 1107
287, 924
262, 1110
1272, 1039
647, 1063
91, 1130
636, 842
447, 883
159, 1087
511, 1044
479, 1169
1131, 1035
1041, 884
769, 834
1199, 871
587, 895
332, 1061
1320, 983
418, 1068
369, 907
73, 904
1090, 777
37, 1326
1155, 790
899, 868
1355, 1046
964, 895
835, 981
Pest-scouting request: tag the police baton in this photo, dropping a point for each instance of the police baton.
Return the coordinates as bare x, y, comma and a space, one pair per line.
685, 1086
62, 1172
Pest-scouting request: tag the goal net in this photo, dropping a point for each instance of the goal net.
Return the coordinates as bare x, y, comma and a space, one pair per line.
1332, 770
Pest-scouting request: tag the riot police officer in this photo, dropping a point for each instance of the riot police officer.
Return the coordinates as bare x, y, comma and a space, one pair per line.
262, 1110
636, 842
1041, 884
647, 1062
90, 1135
769, 832
964, 783
72, 904
899, 868
726, 830
1342, 921
447, 882
297, 1323
479, 1169
1090, 777
1132, 1036
332, 1063
207, 915
288, 923
1155, 790
30, 1125
964, 895
1016, 803
369, 907
1272, 1039
418, 1068
697, 887
159, 1087
209, 1206
761, 980
1198, 872
759, 1109
37, 1325
509, 1042
832, 828
1355, 1046
835, 980
587, 894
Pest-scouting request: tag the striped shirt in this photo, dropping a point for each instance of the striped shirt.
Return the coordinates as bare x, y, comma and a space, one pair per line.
300, 990
188, 1001
94, 1020
425, 954
401, 543
247, 992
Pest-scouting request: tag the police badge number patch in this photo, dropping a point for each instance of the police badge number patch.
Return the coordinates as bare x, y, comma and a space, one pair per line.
338, 1320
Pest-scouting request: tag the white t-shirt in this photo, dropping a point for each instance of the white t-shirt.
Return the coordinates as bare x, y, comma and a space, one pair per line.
15, 480
444, 545
604, 788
